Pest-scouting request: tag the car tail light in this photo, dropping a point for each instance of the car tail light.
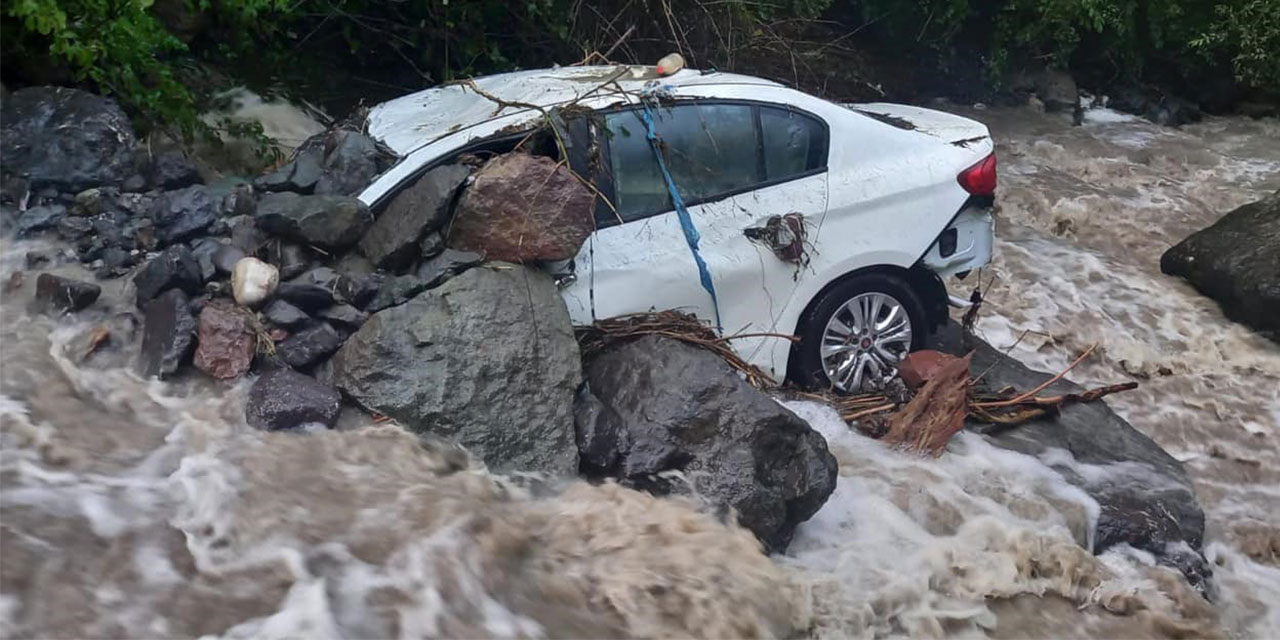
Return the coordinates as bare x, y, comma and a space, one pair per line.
980, 179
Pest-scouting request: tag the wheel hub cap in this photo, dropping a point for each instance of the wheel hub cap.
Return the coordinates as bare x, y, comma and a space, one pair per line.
864, 341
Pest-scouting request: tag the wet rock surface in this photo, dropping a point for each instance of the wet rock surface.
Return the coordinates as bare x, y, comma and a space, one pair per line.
674, 407
225, 343
65, 138
488, 360
184, 214
38, 219
172, 170
168, 334
175, 267
309, 346
1236, 261
392, 241
58, 294
285, 399
1146, 498
283, 314
523, 208
327, 221
350, 163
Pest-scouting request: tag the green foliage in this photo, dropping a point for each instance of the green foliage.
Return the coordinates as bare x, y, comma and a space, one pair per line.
1250, 33
117, 45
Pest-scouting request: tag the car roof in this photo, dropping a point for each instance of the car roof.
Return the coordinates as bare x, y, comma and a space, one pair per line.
409, 122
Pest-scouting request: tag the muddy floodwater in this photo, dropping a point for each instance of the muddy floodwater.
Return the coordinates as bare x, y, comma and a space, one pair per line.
135, 508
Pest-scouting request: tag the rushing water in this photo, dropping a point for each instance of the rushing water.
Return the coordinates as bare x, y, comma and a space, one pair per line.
146, 509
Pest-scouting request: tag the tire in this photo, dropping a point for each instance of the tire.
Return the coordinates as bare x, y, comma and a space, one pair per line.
860, 292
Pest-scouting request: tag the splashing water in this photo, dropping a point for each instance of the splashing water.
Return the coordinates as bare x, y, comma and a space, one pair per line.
147, 509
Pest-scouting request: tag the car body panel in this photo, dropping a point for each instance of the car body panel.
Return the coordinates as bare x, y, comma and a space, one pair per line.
884, 198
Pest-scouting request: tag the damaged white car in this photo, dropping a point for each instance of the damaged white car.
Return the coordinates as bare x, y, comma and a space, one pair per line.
761, 209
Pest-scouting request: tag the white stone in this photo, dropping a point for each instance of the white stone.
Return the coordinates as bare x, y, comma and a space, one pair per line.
252, 281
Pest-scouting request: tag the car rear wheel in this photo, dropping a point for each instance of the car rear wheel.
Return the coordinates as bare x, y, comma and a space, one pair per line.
857, 332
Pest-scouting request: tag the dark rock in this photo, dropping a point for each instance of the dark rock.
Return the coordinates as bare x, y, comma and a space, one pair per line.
683, 408
446, 265
72, 228
392, 242
245, 234
344, 316
226, 343
284, 399
116, 260
204, 250
39, 219
328, 222
309, 346
1236, 261
65, 138
523, 208
454, 361
599, 433
183, 214
1154, 106
168, 334
88, 202
395, 291
283, 314
175, 268
291, 259
37, 259
58, 294
308, 297
1057, 90
350, 166
134, 183
1147, 501
299, 175
360, 288
431, 246
172, 170
226, 257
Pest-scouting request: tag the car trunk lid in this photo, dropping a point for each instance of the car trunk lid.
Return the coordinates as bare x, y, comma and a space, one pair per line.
938, 124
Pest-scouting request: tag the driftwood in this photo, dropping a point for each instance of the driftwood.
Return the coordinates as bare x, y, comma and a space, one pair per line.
925, 425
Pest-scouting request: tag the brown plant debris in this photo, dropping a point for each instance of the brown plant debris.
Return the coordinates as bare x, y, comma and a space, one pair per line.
936, 413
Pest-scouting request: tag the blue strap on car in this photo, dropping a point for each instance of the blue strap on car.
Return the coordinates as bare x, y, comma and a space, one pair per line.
686, 222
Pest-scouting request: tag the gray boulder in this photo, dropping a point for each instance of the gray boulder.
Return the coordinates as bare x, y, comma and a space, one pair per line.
168, 334
327, 222
1147, 500
39, 219
1236, 261
175, 267
350, 164
488, 360
284, 399
172, 170
283, 314
308, 347
392, 241
395, 291
65, 138
184, 214
668, 406
447, 264
300, 174
58, 294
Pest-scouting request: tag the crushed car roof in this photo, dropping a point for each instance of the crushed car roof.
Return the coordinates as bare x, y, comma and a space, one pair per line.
407, 123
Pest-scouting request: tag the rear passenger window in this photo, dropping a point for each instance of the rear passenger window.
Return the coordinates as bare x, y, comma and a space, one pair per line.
793, 143
711, 150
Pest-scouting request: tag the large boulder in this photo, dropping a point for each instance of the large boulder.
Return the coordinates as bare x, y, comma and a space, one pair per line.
168, 333
350, 163
65, 138
392, 241
40, 218
327, 222
523, 208
1146, 498
1236, 261
175, 267
183, 214
669, 406
225, 343
488, 359
284, 399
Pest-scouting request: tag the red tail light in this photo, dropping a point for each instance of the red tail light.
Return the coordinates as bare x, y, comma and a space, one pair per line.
980, 179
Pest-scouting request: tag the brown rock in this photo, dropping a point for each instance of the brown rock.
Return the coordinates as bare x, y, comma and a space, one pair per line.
921, 366
523, 208
226, 343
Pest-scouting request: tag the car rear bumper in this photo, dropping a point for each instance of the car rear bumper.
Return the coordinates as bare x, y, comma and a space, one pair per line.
965, 244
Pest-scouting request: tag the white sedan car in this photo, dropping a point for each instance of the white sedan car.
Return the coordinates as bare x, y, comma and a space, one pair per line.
833, 223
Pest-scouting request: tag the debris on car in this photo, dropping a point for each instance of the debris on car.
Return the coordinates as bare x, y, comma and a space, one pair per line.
785, 235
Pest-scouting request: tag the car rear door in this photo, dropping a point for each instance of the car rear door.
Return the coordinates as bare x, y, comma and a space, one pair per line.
736, 164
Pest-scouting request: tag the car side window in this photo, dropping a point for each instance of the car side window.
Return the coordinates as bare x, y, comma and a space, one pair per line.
793, 143
712, 149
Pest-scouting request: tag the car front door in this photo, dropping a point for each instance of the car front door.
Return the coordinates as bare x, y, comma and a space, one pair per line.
736, 164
